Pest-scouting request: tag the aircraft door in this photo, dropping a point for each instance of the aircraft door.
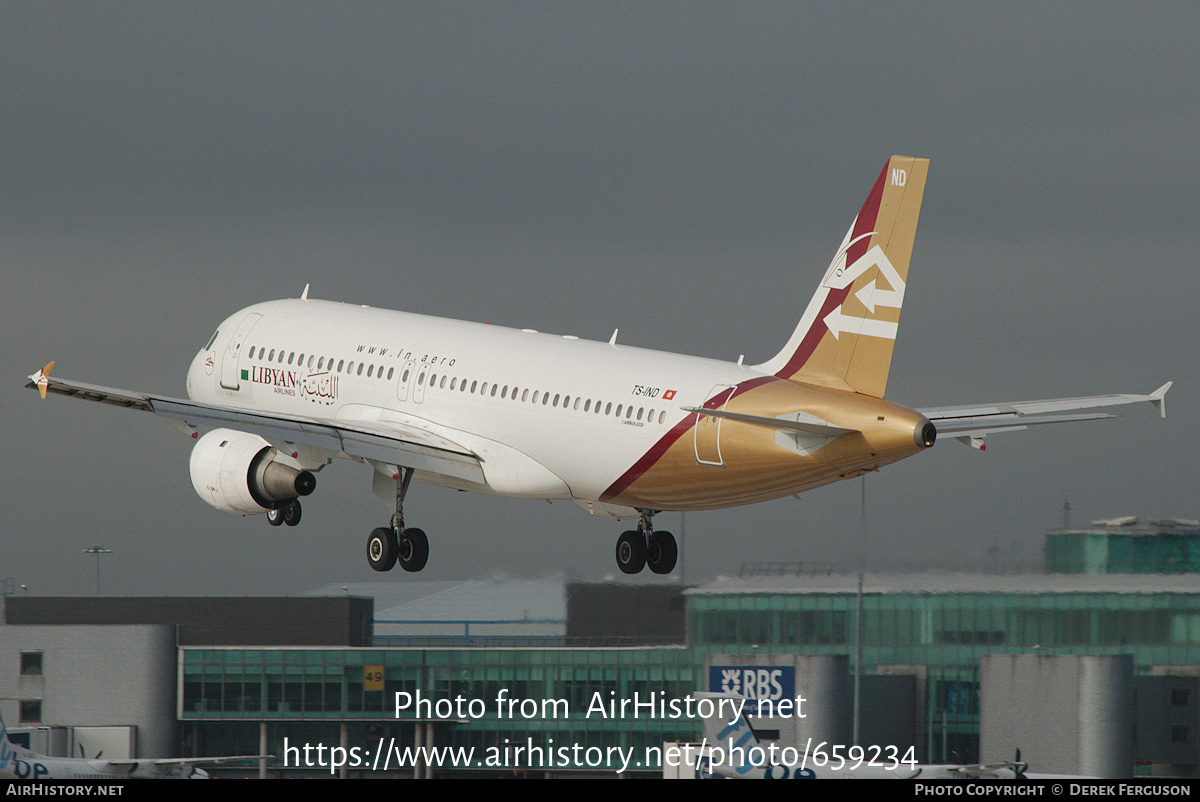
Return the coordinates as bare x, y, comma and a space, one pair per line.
230, 372
707, 431
406, 376
419, 387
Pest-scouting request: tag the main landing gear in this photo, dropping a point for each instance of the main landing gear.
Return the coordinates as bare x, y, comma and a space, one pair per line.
643, 547
393, 544
409, 547
287, 514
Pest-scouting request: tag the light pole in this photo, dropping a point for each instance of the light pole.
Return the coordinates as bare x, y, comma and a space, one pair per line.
97, 550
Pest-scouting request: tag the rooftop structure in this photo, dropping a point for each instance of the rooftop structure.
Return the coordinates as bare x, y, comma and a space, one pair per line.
1127, 545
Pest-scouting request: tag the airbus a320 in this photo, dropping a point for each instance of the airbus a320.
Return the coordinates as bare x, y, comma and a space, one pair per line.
623, 432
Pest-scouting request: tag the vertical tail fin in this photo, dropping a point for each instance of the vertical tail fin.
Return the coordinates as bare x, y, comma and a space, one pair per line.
729, 735
7, 752
846, 335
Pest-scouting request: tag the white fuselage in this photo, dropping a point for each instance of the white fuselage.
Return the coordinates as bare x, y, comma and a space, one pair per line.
584, 411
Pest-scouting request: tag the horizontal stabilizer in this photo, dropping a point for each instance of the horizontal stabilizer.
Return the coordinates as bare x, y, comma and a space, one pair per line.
799, 422
970, 424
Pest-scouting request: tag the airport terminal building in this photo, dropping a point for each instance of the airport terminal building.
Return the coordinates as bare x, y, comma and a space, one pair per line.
1095, 674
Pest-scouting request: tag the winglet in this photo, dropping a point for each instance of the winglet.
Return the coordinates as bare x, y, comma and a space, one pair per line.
304, 295
41, 379
1158, 398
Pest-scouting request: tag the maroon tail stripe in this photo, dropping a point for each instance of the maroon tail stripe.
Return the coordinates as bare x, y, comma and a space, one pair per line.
647, 460
863, 224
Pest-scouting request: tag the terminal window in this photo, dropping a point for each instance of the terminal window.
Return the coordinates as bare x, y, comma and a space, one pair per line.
31, 711
31, 664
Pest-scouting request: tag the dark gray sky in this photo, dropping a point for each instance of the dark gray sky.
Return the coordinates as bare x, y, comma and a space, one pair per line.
682, 171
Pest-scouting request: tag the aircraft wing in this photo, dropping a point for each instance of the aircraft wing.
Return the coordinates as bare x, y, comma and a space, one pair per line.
390, 443
135, 763
970, 424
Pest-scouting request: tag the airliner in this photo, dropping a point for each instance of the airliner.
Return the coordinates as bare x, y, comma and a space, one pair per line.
731, 750
19, 763
285, 387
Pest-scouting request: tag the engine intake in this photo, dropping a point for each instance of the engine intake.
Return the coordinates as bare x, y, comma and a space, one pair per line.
238, 472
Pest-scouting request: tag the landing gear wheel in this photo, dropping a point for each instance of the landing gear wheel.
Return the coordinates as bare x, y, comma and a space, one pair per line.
382, 549
275, 517
631, 552
291, 513
662, 552
413, 550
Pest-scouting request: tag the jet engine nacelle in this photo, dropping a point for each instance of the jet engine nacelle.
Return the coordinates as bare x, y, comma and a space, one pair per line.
238, 472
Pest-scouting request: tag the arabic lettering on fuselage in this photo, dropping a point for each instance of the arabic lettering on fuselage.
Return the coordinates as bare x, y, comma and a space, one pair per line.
319, 387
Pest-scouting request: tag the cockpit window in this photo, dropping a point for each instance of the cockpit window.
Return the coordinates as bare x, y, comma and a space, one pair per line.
212, 340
